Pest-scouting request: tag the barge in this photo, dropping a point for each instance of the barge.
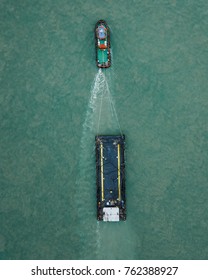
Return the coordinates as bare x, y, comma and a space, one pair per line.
110, 171
102, 44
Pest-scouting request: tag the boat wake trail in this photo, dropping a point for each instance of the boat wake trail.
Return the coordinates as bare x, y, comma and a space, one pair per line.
101, 118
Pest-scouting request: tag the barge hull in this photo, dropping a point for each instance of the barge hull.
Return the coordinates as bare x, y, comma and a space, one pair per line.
110, 172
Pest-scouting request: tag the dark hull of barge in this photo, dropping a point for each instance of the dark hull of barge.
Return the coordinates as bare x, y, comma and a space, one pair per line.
110, 171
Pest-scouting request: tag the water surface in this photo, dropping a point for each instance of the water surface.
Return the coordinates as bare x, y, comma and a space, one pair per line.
50, 98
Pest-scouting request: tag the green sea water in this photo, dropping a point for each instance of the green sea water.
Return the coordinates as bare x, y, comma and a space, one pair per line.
51, 94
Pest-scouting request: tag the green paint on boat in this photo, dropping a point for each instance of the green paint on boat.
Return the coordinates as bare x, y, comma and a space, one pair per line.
102, 56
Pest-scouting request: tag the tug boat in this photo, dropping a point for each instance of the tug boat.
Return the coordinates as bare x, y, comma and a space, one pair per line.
110, 170
102, 44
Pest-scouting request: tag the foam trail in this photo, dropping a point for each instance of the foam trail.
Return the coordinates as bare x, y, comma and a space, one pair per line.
101, 116
90, 125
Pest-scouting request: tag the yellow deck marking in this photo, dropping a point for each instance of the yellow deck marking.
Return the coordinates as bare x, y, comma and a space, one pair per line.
119, 173
101, 166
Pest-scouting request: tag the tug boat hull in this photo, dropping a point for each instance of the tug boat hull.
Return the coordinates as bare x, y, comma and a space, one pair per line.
102, 44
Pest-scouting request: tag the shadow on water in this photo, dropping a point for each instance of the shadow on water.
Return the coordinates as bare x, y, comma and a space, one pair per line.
101, 118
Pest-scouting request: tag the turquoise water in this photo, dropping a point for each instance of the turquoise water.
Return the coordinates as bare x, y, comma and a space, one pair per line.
50, 111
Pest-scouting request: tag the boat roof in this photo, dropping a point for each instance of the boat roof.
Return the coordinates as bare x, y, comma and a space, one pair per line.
110, 214
101, 32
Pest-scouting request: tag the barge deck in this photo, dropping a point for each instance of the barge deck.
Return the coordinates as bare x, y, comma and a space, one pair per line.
110, 170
